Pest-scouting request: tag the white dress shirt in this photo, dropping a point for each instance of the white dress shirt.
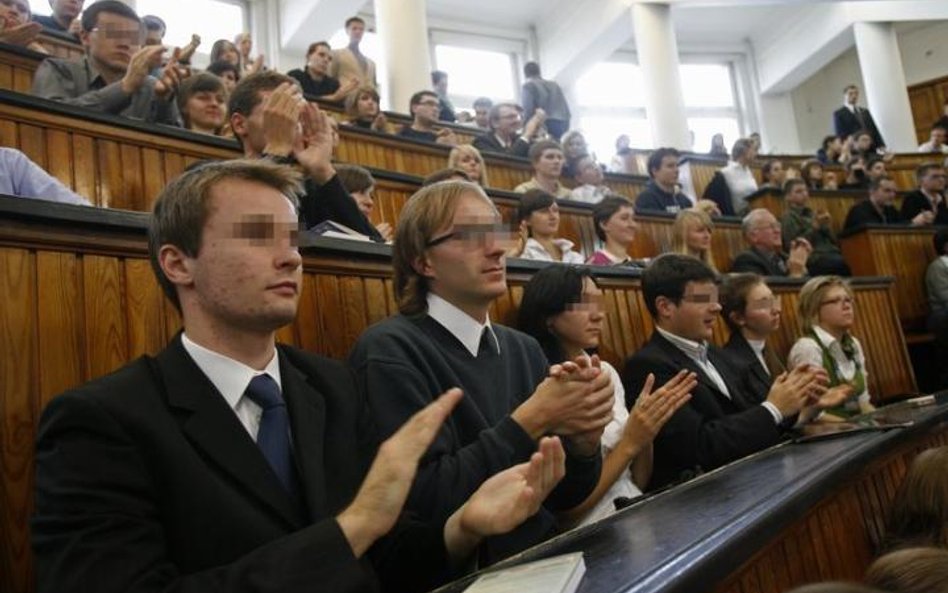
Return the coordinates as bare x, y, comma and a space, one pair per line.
758, 347
535, 251
740, 182
462, 326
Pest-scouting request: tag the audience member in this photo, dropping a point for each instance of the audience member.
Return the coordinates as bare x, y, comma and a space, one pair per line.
244, 44
811, 172
717, 146
233, 461
449, 267
546, 156
772, 174
830, 183
619, 164
562, 308
314, 77
468, 159
504, 121
361, 185
588, 177
21, 177
827, 314
482, 106
800, 221
61, 20
202, 102
349, 62
862, 143
271, 120
930, 195
855, 173
614, 223
721, 423
447, 174
362, 107
16, 26
738, 174
754, 137
224, 50
851, 118
879, 208
752, 313
691, 235
936, 140
936, 285
662, 194
227, 72
574, 147
766, 256
918, 515
113, 75
833, 151
539, 219
912, 570
423, 108
439, 82
155, 29
541, 94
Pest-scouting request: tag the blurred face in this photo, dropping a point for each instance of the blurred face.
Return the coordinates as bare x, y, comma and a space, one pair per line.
885, 194
482, 116
229, 79
229, 54
852, 95
67, 10
816, 172
205, 110
863, 142
113, 40
667, 173
877, 170
366, 106
938, 136
545, 223
153, 36
576, 145
364, 200
621, 226
799, 195
777, 173
934, 181
837, 311
471, 164
508, 120
355, 30
589, 172
550, 163
580, 326
761, 317
835, 145
14, 12
698, 236
427, 109
245, 45
319, 60
693, 317
765, 234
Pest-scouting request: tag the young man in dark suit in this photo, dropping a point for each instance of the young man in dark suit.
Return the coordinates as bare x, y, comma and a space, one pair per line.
851, 118
879, 208
930, 195
228, 463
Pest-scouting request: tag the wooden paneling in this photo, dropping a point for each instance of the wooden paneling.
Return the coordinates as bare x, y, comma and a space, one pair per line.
60, 48
837, 203
928, 99
17, 68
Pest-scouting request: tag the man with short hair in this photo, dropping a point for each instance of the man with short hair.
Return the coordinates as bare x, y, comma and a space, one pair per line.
547, 159
936, 140
228, 463
17, 27
800, 221
831, 151
439, 82
851, 118
154, 29
64, 13
930, 195
482, 106
424, 107
504, 121
315, 79
766, 257
113, 77
349, 63
661, 194
270, 119
721, 422
538, 93
879, 208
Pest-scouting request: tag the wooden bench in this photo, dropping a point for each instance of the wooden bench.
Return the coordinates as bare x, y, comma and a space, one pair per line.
837, 203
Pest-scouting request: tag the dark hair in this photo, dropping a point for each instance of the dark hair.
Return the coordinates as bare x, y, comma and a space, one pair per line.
483, 102
939, 240
444, 175
313, 46
353, 99
858, 133
918, 514
789, 184
533, 200
876, 183
872, 161
656, 158
219, 67
767, 168
437, 76
246, 95
220, 46
353, 19
199, 83
90, 16
606, 209
668, 275
354, 178
154, 23
538, 148
923, 170
549, 293
531, 69
827, 140
849, 86
940, 126
418, 97
734, 291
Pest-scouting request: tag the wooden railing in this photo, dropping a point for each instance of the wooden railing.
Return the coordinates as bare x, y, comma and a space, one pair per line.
837, 203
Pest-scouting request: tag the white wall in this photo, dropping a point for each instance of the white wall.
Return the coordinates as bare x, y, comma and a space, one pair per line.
925, 52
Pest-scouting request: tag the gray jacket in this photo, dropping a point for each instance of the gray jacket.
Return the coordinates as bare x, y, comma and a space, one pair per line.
548, 96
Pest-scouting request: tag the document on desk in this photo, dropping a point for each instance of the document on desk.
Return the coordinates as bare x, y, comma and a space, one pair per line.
560, 574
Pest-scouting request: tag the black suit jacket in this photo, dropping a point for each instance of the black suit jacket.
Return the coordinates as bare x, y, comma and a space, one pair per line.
916, 202
756, 262
846, 123
863, 213
489, 143
709, 431
754, 378
147, 481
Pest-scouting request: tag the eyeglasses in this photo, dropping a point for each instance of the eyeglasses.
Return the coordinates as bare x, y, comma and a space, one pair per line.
701, 299
475, 235
133, 36
848, 300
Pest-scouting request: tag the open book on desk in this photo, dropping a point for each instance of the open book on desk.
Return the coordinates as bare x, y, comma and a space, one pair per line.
559, 574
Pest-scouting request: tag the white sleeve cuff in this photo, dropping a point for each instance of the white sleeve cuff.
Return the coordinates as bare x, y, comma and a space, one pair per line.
778, 417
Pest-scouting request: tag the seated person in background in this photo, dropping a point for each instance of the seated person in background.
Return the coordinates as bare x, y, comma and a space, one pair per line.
879, 208
752, 314
587, 174
772, 174
248, 65
617, 164
614, 223
439, 82
225, 50
504, 121
155, 29
799, 221
691, 235
546, 156
861, 144
562, 308
662, 193
360, 184
424, 107
833, 151
827, 314
16, 28
447, 174
910, 570
468, 159
811, 172
936, 141
21, 177
64, 13
539, 218
766, 257
362, 107
855, 174
717, 146
314, 76
482, 106
574, 147
829, 181
263, 452
271, 120
449, 267
738, 174
936, 286
930, 195
918, 515
113, 75
721, 422
202, 101
227, 72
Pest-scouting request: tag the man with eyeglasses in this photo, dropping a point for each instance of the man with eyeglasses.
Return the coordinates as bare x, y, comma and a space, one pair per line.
449, 263
113, 77
765, 257
424, 107
505, 121
930, 195
722, 422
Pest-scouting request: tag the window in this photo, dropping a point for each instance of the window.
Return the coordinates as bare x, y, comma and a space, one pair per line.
474, 73
710, 104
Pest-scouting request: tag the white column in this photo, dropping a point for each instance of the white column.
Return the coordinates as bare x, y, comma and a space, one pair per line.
402, 27
886, 94
658, 58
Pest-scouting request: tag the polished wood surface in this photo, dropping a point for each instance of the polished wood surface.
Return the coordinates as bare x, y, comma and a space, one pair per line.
60, 46
927, 99
837, 203
17, 66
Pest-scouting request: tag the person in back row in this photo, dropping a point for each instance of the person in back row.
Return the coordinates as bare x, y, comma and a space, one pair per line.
662, 193
766, 256
588, 175
202, 102
539, 218
878, 208
423, 107
362, 107
799, 221
546, 156
468, 159
314, 77
64, 12
539, 94
16, 28
449, 262
614, 223
504, 120
930, 195
349, 62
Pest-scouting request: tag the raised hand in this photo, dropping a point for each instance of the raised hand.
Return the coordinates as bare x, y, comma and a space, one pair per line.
446, 136
188, 50
380, 123
653, 409
171, 76
313, 147
142, 62
281, 119
386, 230
23, 34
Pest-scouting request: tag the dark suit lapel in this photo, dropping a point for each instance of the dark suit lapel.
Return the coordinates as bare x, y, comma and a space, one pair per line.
213, 428
683, 361
726, 370
748, 353
307, 421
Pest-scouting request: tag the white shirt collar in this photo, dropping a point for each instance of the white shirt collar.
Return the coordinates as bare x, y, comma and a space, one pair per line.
696, 350
849, 106
461, 325
533, 249
229, 376
944, 259
758, 346
824, 336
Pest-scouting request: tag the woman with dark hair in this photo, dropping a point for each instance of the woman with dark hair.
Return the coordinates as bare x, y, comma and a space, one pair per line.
561, 308
227, 72
919, 512
226, 51
539, 217
202, 101
772, 174
362, 107
360, 184
614, 223
811, 172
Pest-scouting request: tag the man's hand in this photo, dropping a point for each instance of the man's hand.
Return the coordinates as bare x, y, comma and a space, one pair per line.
171, 76
446, 136
281, 119
924, 217
533, 125
653, 409
22, 34
257, 66
184, 57
800, 250
380, 123
386, 230
833, 397
347, 85
313, 147
143, 61
383, 491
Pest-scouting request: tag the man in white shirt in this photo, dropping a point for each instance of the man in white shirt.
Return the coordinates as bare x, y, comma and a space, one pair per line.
936, 141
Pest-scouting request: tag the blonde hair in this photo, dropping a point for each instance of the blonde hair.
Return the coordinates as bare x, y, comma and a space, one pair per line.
912, 570
679, 242
811, 298
430, 210
462, 149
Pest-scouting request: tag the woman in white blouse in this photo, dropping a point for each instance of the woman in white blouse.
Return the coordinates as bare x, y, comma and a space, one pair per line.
738, 174
539, 217
827, 313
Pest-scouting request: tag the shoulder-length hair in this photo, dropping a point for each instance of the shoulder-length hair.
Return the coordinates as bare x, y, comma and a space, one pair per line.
550, 292
919, 511
812, 295
679, 240
462, 149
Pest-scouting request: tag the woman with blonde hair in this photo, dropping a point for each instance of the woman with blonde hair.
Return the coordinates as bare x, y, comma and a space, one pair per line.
691, 235
919, 512
467, 158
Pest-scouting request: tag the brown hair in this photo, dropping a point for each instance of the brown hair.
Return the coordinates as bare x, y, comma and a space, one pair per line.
246, 95
202, 82
183, 207
811, 298
734, 291
912, 570
458, 151
353, 98
354, 178
538, 148
679, 242
919, 511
